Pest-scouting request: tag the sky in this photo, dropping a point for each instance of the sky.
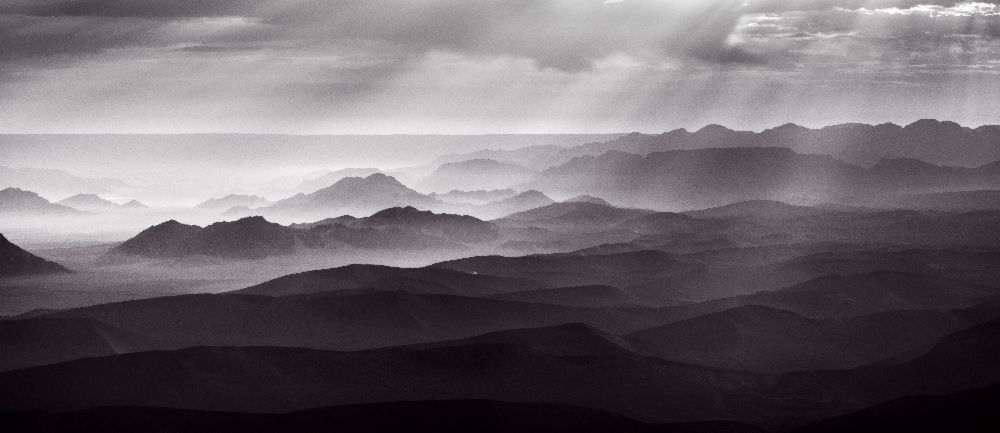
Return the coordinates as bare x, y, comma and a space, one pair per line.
491, 66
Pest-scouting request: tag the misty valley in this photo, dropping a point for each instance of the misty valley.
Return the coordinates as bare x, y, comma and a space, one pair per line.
790, 280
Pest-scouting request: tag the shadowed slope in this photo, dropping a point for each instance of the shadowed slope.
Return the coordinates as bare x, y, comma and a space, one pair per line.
15, 261
446, 416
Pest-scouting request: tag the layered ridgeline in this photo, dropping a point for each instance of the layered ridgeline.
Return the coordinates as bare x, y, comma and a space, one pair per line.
670, 180
15, 261
95, 203
255, 237
778, 335
574, 365
571, 226
691, 179
940, 143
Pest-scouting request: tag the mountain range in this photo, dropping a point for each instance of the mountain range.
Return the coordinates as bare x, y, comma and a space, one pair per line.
255, 238
938, 142
15, 201
94, 203
58, 183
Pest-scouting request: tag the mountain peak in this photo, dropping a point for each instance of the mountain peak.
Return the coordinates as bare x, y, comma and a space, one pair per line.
933, 123
135, 204
256, 219
398, 211
713, 129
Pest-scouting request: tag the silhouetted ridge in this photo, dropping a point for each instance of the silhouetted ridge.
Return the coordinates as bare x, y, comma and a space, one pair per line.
445, 416
14, 261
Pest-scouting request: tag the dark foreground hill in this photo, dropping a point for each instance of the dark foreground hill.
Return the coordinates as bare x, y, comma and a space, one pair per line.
444, 416
287, 379
15, 261
972, 411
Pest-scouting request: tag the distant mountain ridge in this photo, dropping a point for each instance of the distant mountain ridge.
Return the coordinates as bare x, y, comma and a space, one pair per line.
234, 200
702, 178
89, 202
57, 183
19, 201
254, 237
939, 142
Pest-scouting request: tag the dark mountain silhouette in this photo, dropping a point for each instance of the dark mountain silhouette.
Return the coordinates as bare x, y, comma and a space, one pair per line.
168, 239
646, 275
371, 276
968, 411
475, 174
353, 196
835, 296
478, 197
769, 340
757, 209
263, 379
572, 216
89, 202
583, 296
280, 380
572, 339
18, 201
457, 228
247, 238
961, 361
234, 200
518, 203
400, 228
33, 342
362, 319
318, 183
255, 237
445, 416
15, 261
134, 204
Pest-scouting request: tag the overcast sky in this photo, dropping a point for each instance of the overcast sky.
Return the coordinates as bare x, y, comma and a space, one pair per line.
491, 66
